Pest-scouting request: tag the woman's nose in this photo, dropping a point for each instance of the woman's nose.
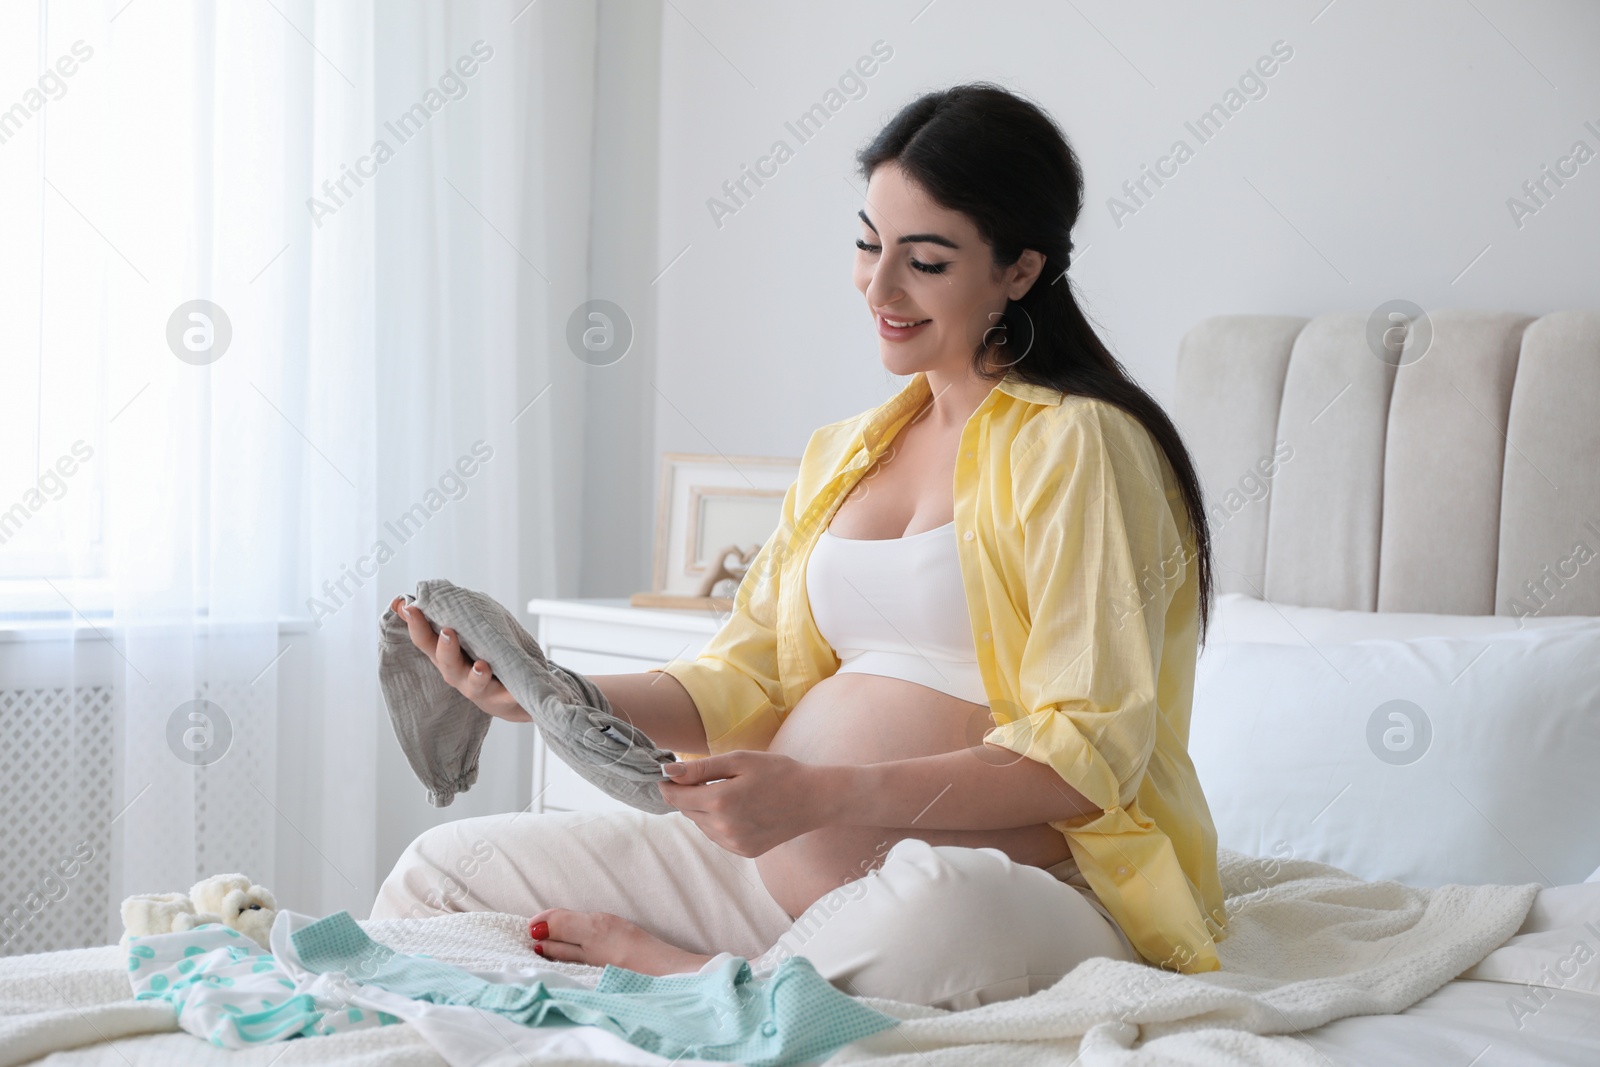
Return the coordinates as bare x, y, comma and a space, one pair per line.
883, 289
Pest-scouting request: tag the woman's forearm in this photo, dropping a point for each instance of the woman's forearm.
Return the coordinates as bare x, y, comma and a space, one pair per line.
987, 788
658, 704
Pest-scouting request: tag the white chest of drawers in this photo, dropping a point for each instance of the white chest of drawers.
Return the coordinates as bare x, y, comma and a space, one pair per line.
603, 635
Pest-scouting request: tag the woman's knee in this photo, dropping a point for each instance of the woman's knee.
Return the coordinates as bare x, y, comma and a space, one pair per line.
435, 872
1021, 915
512, 862
949, 926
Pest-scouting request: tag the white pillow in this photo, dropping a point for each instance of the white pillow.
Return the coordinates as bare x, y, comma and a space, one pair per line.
1427, 761
1239, 617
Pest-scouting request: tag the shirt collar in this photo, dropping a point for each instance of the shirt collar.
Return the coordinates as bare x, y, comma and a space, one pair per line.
1033, 394
917, 391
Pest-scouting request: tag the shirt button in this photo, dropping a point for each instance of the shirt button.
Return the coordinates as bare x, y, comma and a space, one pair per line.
986, 635
1122, 872
769, 1028
967, 536
971, 454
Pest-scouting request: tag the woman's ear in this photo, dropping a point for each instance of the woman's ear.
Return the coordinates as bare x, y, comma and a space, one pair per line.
1027, 268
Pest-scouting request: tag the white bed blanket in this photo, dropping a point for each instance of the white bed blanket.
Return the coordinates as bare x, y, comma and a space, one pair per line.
1307, 943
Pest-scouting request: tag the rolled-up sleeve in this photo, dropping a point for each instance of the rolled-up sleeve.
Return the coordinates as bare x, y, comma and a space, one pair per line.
1102, 555
734, 681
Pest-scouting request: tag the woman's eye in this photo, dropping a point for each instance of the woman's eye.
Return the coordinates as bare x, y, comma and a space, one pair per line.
926, 268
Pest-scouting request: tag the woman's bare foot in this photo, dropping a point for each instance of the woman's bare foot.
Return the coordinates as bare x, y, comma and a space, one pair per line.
598, 938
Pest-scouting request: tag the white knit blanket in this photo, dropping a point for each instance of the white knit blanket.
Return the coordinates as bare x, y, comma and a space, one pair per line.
1307, 943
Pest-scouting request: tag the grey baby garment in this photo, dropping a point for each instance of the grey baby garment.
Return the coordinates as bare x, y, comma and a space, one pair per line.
442, 731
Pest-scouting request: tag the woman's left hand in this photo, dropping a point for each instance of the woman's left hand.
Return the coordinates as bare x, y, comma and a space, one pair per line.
762, 800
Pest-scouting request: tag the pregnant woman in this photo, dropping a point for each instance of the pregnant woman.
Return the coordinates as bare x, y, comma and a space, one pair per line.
939, 746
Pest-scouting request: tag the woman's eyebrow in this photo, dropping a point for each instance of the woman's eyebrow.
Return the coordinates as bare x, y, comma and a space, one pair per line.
913, 238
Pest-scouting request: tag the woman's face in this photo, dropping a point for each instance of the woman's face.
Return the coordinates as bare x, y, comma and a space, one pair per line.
922, 263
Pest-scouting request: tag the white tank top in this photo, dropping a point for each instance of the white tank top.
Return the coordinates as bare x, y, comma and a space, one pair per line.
896, 607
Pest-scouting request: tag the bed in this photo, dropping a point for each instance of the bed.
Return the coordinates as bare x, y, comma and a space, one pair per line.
1397, 717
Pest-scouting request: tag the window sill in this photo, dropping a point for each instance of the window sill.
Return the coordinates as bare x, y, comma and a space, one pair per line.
19, 628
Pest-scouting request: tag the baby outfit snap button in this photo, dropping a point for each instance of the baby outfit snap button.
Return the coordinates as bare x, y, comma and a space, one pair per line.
986, 635
769, 1028
1122, 872
967, 536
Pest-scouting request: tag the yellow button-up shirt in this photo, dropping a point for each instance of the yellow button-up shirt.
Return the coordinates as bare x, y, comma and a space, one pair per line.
1077, 558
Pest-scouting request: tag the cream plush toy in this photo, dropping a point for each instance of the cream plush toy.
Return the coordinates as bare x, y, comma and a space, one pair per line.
229, 899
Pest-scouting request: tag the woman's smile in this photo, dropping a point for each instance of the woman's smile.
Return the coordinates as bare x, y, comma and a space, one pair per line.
892, 329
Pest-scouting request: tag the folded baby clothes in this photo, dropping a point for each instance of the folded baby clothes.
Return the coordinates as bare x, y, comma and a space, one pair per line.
721, 1014
442, 732
229, 991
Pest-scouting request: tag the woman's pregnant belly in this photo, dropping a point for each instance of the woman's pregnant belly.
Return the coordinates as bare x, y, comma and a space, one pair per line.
869, 718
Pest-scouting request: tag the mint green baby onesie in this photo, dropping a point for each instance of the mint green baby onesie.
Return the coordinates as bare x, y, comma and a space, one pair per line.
791, 1016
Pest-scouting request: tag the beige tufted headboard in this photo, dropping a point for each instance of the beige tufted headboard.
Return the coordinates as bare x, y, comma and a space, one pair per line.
1464, 482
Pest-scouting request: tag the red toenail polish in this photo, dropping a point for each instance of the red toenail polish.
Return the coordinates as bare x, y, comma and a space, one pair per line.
539, 930
538, 948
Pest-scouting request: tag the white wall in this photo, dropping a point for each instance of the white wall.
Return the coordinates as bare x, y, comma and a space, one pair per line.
1378, 165
619, 441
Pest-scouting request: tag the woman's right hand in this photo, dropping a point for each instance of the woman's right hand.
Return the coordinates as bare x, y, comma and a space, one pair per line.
473, 680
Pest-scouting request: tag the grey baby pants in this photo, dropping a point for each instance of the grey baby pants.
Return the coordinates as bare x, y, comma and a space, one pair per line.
442, 732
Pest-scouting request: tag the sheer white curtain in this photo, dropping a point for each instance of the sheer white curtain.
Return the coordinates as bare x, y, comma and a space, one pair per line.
263, 285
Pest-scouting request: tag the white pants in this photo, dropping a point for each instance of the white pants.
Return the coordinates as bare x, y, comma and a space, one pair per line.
943, 925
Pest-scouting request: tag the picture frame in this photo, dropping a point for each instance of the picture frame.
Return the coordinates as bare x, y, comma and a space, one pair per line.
705, 502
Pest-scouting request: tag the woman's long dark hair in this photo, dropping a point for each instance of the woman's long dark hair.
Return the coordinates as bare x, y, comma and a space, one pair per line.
1001, 160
